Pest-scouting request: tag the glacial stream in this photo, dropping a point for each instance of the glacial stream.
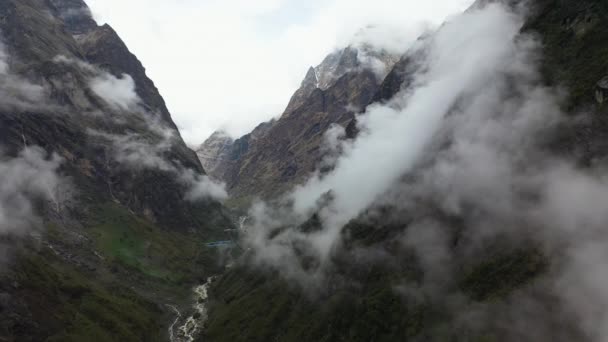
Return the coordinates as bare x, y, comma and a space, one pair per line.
188, 329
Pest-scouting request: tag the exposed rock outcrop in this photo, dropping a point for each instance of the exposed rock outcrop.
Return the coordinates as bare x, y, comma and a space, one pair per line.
280, 154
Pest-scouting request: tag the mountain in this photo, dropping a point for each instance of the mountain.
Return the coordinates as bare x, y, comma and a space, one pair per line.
281, 153
455, 193
113, 207
215, 151
423, 263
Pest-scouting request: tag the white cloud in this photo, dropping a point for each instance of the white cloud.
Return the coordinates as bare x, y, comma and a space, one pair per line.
470, 135
136, 151
466, 61
202, 187
233, 64
23, 179
464, 57
117, 92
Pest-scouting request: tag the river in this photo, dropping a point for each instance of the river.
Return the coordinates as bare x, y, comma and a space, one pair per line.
187, 329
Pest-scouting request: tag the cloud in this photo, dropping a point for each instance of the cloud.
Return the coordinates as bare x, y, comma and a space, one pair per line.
31, 176
473, 135
117, 92
136, 152
469, 55
24, 179
463, 57
150, 150
202, 187
212, 44
470, 134
148, 141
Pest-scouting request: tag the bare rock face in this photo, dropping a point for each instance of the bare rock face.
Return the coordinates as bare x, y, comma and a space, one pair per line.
215, 151
309, 84
75, 14
282, 153
338, 64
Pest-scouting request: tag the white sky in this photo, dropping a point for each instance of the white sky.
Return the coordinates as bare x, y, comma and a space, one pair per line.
232, 64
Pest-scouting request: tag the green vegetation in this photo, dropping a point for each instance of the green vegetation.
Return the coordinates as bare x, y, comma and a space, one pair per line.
496, 277
574, 36
110, 285
73, 306
136, 244
256, 305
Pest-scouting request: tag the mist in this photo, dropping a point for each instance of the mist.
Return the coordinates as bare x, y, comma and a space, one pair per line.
147, 148
467, 150
30, 185
29, 181
117, 92
470, 53
463, 57
29, 176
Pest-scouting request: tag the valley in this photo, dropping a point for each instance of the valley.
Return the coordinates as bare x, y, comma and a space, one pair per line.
450, 188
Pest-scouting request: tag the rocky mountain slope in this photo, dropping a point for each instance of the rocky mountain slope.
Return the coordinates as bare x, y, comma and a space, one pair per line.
279, 154
120, 207
424, 264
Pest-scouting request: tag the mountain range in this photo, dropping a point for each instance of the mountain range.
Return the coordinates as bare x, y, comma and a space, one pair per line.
452, 193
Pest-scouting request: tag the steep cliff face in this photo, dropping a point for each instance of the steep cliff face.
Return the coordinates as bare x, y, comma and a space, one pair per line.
282, 153
123, 237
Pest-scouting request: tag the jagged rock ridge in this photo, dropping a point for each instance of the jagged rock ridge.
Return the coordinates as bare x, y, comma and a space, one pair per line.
283, 152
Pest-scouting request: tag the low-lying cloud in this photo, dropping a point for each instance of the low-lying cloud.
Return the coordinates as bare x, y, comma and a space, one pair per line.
118, 92
464, 57
467, 150
29, 177
472, 53
148, 140
202, 187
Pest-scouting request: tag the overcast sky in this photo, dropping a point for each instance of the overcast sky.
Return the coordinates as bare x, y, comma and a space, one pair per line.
232, 64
